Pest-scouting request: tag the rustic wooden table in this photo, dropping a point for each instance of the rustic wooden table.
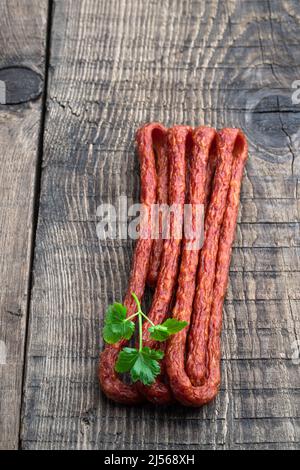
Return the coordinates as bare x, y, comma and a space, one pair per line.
77, 78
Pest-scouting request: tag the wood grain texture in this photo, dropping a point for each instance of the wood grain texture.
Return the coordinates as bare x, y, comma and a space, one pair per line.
22, 45
115, 65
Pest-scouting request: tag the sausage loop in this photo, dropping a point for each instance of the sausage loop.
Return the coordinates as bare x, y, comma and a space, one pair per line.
178, 165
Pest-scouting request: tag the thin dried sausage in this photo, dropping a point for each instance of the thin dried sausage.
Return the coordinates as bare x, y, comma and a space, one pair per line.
194, 380
198, 334
162, 169
202, 139
147, 137
232, 149
177, 143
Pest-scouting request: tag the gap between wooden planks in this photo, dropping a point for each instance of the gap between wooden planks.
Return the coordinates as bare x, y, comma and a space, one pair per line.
22, 69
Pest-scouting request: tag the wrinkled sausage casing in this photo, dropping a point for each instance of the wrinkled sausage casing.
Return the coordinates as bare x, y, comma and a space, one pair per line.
162, 169
181, 165
177, 145
148, 137
206, 322
201, 144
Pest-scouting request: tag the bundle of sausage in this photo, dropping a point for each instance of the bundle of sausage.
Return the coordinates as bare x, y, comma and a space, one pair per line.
202, 167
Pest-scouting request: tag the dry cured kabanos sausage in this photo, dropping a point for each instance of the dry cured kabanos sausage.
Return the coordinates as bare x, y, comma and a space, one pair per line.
162, 170
211, 167
197, 381
232, 145
177, 144
198, 334
148, 137
202, 140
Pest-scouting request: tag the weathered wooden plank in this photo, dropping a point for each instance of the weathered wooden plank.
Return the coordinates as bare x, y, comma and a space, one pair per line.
262, 314
266, 259
270, 210
265, 430
267, 403
249, 342
115, 65
259, 378
256, 235
254, 187
267, 235
22, 45
266, 210
264, 286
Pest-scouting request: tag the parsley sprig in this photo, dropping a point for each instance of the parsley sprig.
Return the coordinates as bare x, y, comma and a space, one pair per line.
142, 362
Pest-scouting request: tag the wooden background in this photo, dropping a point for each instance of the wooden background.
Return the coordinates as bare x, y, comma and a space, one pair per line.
81, 76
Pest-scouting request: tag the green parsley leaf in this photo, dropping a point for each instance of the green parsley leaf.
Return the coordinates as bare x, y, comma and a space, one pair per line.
116, 326
174, 326
166, 329
126, 359
159, 332
143, 365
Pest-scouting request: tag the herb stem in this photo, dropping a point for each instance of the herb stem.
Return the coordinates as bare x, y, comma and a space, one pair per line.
140, 331
132, 316
139, 313
140, 309
137, 302
148, 319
